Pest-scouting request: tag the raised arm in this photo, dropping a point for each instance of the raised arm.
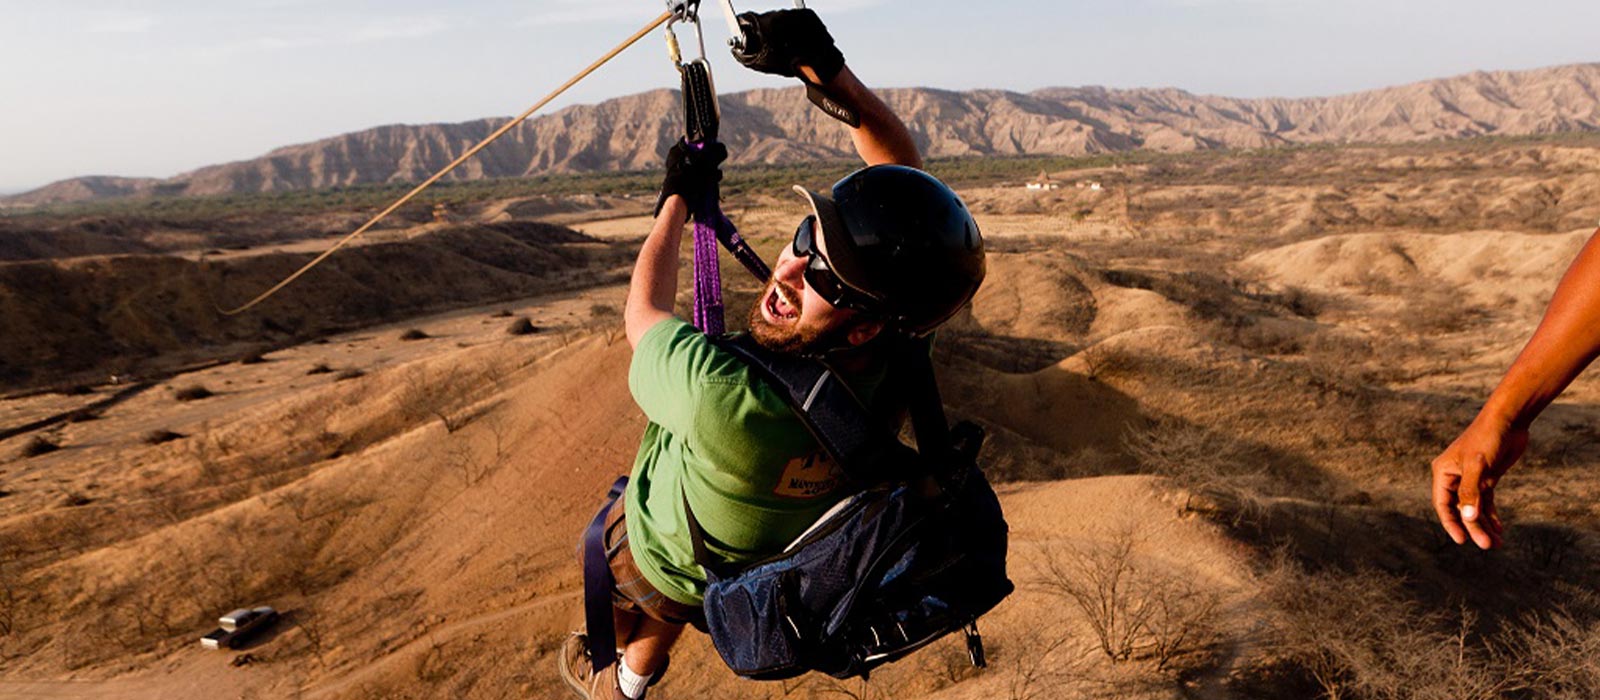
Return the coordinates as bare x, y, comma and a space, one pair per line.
653, 289
881, 139
794, 43
1566, 342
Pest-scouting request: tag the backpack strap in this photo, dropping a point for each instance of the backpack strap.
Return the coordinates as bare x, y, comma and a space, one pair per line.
598, 582
844, 426
697, 539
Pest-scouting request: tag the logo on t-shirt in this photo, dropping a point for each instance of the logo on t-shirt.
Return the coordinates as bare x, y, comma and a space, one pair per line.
809, 477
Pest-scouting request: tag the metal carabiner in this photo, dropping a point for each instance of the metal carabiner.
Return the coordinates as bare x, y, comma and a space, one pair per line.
684, 11
736, 38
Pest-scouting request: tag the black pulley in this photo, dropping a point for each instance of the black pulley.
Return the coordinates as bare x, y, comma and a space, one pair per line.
700, 118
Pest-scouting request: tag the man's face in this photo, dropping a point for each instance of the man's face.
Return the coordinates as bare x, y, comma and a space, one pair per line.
791, 317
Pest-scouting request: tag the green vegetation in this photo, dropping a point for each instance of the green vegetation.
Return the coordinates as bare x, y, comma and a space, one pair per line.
372, 198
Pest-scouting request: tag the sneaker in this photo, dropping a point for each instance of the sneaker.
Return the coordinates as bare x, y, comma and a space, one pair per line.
578, 671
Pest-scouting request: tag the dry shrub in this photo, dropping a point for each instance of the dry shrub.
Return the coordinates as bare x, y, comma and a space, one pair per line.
1204, 463
1102, 361
522, 326
83, 416
1559, 657
158, 436
193, 392
603, 311
1436, 312
474, 466
37, 445
445, 394
1358, 635
1135, 607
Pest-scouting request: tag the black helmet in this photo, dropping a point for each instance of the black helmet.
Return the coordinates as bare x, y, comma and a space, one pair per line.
904, 238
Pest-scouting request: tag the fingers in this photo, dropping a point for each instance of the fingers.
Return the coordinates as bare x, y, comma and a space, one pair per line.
1445, 481
1473, 503
1489, 516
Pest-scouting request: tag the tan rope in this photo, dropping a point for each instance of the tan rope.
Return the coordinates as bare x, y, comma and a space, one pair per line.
470, 152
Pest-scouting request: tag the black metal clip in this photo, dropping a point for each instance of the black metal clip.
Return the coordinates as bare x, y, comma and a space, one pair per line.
701, 115
975, 646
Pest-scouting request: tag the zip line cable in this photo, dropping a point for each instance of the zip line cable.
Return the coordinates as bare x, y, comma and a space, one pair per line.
630, 41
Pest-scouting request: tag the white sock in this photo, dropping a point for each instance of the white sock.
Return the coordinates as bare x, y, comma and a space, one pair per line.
633, 684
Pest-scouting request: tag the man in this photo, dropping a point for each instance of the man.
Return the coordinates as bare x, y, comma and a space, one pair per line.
890, 251
1566, 342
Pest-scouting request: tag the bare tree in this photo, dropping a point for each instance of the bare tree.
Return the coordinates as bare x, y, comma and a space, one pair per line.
440, 395
1102, 582
311, 627
1133, 606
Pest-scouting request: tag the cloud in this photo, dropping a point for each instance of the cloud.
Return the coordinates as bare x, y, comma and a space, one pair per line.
380, 30
587, 13
590, 12
121, 24
400, 28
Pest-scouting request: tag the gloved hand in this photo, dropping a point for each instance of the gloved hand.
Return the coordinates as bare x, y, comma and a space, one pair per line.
692, 173
780, 41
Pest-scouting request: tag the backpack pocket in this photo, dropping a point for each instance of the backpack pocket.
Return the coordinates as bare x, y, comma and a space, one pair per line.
757, 613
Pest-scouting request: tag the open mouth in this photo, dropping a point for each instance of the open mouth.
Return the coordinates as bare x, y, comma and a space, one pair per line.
778, 307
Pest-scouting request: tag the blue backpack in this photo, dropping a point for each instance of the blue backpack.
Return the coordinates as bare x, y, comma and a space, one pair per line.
918, 555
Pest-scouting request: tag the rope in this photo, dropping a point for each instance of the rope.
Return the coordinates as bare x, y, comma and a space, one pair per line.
458, 161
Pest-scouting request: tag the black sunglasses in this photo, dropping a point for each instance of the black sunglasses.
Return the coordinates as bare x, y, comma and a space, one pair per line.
821, 278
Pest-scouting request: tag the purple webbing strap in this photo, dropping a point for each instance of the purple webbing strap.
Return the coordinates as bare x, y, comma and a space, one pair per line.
707, 278
711, 227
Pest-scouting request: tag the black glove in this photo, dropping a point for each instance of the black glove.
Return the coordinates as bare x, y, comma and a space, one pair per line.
692, 173
780, 41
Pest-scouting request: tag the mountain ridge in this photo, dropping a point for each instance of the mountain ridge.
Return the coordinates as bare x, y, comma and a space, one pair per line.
779, 126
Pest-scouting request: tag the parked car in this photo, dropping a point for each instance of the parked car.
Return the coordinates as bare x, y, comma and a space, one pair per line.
238, 626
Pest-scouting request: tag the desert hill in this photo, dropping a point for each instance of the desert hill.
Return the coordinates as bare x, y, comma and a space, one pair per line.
779, 126
1214, 382
415, 518
130, 313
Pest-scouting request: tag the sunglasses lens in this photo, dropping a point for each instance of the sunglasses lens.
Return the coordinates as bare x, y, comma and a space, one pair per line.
805, 237
817, 274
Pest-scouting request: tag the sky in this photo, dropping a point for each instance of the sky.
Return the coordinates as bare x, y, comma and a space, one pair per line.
154, 88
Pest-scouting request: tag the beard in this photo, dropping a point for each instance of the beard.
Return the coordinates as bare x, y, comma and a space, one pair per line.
793, 339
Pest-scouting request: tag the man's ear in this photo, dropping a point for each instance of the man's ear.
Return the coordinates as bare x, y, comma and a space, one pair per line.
863, 332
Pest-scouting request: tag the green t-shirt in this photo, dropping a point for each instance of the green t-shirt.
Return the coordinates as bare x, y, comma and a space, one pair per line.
754, 476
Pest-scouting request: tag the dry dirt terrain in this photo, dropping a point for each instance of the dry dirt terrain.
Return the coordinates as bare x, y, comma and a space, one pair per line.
1212, 385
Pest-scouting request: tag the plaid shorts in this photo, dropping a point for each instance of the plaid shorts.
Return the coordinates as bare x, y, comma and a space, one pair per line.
632, 591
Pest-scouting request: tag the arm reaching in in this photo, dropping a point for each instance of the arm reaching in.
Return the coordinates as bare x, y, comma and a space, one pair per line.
1566, 342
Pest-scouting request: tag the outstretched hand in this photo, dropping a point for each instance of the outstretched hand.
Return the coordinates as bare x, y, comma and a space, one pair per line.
1465, 476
